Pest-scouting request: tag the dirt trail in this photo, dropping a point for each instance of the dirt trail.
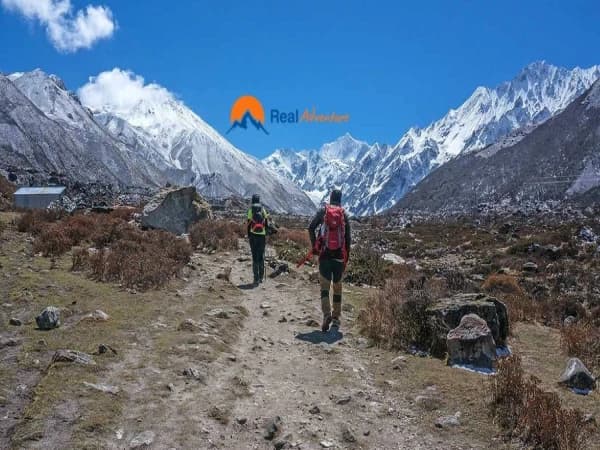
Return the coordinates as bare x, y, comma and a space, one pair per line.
321, 386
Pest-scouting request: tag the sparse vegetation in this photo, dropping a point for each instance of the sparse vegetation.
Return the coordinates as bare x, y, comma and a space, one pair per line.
218, 235
582, 340
366, 267
291, 244
525, 410
396, 315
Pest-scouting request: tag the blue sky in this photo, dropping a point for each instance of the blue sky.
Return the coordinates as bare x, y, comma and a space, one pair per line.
389, 64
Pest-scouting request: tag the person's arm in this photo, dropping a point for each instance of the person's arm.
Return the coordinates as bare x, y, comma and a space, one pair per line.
347, 233
314, 223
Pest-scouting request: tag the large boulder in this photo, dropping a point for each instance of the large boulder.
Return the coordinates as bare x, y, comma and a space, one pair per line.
445, 315
175, 209
471, 343
48, 319
577, 376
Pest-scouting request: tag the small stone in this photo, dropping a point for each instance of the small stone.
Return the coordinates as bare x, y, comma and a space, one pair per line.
344, 400
327, 444
280, 445
282, 319
366, 432
448, 421
241, 420
530, 266
314, 410
103, 388
103, 348
96, 316
265, 305
73, 356
8, 342
232, 358
171, 387
347, 435
48, 319
569, 320
195, 374
312, 323
272, 428
142, 440
15, 322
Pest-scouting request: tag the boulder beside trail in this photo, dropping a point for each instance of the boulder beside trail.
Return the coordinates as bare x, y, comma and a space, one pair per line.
175, 209
48, 319
446, 314
577, 376
471, 343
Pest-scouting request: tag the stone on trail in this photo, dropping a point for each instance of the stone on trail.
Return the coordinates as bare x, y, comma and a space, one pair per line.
48, 319
103, 387
347, 434
175, 209
15, 322
448, 421
445, 314
327, 444
272, 428
142, 440
73, 356
96, 316
471, 343
195, 374
577, 376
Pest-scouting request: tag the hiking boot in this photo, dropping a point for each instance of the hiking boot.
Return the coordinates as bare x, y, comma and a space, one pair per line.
335, 323
326, 323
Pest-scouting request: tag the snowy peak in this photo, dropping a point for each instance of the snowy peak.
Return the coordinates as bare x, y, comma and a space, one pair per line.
376, 177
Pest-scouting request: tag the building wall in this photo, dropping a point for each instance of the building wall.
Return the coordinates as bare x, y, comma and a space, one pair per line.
35, 201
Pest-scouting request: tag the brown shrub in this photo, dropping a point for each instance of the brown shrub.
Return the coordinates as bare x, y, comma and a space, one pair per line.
51, 240
500, 283
144, 260
366, 266
582, 340
525, 410
216, 235
32, 221
396, 315
296, 236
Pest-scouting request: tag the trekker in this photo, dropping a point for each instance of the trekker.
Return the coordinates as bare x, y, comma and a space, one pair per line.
333, 246
258, 220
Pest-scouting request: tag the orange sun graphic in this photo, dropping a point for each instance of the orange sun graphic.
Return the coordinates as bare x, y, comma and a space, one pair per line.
250, 104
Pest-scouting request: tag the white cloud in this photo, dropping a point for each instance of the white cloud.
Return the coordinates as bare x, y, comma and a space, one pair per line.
68, 30
119, 91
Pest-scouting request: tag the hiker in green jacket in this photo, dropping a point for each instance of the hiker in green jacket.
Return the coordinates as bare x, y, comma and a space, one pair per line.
330, 237
258, 221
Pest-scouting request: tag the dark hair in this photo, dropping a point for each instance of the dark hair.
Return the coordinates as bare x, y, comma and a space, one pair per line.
336, 197
256, 198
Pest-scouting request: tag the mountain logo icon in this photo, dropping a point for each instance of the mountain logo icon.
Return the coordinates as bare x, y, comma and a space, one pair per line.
247, 109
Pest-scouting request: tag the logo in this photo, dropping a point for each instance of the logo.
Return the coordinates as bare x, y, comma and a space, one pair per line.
247, 109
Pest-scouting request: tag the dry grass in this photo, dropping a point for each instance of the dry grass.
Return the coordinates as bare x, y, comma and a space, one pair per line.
297, 236
216, 235
366, 266
396, 316
525, 410
582, 340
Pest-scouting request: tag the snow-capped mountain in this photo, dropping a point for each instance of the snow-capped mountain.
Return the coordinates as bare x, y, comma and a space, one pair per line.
556, 161
189, 145
378, 177
44, 128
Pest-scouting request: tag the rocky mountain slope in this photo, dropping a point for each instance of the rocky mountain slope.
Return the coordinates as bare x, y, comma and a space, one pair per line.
375, 178
558, 160
45, 129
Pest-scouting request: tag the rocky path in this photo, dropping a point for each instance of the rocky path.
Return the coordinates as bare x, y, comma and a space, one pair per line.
287, 385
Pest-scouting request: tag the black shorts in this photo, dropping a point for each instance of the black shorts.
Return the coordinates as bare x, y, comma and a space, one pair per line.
331, 269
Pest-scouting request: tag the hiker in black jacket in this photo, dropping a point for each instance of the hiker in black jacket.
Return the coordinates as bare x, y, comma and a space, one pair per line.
330, 236
258, 221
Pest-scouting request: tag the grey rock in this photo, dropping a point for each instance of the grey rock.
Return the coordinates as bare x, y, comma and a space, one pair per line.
344, 400
530, 266
348, 435
15, 322
103, 387
445, 314
142, 440
73, 356
175, 209
471, 343
48, 319
195, 374
569, 320
314, 410
586, 234
272, 428
577, 376
448, 421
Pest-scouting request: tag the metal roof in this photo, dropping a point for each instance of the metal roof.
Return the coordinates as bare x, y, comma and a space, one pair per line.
40, 190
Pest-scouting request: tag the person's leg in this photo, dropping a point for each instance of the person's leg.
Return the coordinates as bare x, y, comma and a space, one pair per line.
338, 270
262, 242
254, 250
325, 279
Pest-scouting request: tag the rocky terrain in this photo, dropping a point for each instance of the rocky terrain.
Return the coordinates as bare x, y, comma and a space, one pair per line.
203, 360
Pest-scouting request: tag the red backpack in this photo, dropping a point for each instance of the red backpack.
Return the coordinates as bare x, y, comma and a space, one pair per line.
333, 230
